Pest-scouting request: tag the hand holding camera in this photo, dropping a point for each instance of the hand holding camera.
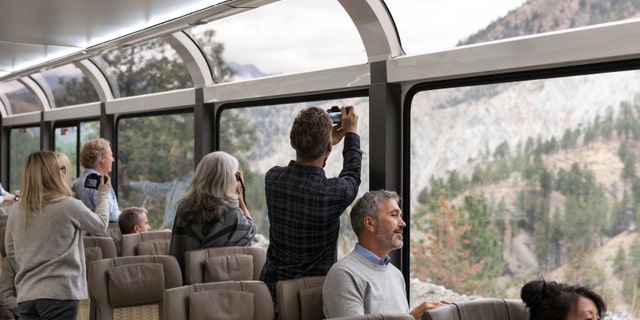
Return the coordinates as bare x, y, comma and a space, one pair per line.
345, 120
94, 180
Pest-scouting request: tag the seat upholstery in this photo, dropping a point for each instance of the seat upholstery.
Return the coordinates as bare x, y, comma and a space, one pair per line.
96, 248
400, 316
224, 264
131, 281
481, 309
300, 299
230, 300
146, 243
3, 229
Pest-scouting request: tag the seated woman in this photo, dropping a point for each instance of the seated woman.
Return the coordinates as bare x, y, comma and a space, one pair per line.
212, 213
548, 300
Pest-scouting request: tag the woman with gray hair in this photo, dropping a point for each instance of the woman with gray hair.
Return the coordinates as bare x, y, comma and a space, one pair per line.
213, 212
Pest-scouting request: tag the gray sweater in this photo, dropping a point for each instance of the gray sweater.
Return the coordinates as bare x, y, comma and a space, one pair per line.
356, 286
49, 252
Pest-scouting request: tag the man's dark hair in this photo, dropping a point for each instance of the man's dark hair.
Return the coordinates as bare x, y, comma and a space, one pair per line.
310, 133
129, 218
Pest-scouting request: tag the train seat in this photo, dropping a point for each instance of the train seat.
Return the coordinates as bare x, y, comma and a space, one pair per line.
120, 284
96, 248
224, 264
300, 299
481, 309
242, 300
400, 316
3, 229
146, 243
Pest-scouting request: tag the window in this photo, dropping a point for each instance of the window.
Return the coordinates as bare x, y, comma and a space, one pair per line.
529, 177
156, 150
22, 142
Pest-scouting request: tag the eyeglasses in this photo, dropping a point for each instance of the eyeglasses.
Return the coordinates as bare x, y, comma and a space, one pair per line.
63, 169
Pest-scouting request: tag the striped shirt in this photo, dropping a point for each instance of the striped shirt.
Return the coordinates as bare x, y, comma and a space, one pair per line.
304, 208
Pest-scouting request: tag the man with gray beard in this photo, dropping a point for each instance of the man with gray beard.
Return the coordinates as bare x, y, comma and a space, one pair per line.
364, 282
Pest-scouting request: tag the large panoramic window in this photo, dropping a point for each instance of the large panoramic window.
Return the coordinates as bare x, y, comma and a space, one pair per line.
259, 138
283, 38
21, 99
154, 153
426, 26
69, 86
152, 66
512, 181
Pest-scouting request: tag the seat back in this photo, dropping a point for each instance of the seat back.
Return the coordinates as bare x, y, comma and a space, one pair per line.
300, 299
481, 309
96, 248
3, 229
131, 281
146, 243
241, 300
400, 316
224, 264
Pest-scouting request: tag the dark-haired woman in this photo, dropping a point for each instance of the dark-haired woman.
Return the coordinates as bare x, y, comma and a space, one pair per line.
549, 300
213, 212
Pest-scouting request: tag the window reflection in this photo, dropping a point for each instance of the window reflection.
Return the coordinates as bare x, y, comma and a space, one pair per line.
155, 164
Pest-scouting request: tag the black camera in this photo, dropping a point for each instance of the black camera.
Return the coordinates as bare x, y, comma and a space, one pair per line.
336, 114
93, 180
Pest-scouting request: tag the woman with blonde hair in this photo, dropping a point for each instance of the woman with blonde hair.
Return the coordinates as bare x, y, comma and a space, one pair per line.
44, 239
213, 212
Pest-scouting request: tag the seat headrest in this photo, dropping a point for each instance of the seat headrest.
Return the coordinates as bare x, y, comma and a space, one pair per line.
135, 284
228, 268
481, 309
154, 247
225, 300
289, 297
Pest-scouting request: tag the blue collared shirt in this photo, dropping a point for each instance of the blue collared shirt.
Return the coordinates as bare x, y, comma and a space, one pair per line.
370, 256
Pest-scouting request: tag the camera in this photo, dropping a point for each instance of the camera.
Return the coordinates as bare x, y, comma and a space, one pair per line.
336, 114
93, 180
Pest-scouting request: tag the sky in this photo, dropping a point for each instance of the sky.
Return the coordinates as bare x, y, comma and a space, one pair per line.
289, 35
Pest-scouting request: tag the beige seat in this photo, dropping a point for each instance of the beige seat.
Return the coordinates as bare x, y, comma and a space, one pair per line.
96, 248
3, 229
134, 281
401, 316
224, 264
481, 309
146, 243
300, 299
229, 300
